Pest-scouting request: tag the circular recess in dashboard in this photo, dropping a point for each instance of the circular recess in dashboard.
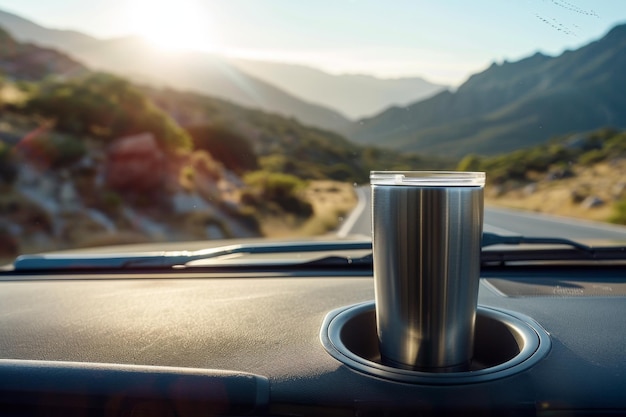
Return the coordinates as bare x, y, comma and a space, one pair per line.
505, 343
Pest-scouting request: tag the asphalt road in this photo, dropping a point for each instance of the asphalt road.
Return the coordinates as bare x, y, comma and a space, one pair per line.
503, 221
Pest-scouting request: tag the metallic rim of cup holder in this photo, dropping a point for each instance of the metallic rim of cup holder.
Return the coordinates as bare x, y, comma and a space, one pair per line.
536, 344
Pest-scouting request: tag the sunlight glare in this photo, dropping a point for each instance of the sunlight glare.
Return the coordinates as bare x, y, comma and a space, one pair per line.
181, 24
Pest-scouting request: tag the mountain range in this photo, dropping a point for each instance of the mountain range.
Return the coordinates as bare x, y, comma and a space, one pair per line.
508, 106
513, 105
284, 89
354, 95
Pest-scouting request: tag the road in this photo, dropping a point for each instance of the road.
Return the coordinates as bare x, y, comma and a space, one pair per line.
503, 221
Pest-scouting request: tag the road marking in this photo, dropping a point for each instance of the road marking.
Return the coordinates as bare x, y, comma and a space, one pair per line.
348, 224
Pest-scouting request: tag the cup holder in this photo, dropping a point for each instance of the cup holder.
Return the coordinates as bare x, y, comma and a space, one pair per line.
505, 343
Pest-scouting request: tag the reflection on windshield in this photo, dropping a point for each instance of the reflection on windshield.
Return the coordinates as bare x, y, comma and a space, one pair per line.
232, 128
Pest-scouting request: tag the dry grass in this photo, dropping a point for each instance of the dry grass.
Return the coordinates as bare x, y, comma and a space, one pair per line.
331, 201
565, 197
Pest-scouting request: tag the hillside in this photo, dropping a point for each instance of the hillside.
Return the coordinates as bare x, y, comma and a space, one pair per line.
579, 175
204, 73
513, 105
285, 145
93, 159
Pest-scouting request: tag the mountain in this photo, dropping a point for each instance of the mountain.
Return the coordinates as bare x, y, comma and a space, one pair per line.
352, 94
513, 105
30, 62
204, 73
26, 31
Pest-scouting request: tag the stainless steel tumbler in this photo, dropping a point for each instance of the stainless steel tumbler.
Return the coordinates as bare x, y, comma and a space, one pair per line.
427, 229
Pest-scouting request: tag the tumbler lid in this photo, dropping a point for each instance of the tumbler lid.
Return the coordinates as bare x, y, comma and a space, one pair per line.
428, 178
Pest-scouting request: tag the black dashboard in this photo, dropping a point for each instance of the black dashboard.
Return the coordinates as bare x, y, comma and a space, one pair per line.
221, 343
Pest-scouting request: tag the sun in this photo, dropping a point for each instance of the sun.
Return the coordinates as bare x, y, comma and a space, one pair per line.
177, 24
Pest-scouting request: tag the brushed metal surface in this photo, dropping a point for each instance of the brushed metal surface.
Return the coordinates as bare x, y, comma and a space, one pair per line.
426, 243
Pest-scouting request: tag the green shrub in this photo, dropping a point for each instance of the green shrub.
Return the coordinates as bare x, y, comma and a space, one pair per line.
341, 172
55, 150
284, 190
112, 202
619, 212
615, 146
592, 157
233, 150
470, 162
275, 184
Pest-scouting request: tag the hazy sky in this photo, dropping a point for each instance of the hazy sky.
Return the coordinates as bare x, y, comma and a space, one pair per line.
442, 40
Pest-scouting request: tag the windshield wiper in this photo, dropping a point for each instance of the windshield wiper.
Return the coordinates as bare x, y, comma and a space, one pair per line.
227, 256
171, 259
490, 239
570, 250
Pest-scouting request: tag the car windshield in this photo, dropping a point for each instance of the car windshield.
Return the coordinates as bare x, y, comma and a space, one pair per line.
127, 122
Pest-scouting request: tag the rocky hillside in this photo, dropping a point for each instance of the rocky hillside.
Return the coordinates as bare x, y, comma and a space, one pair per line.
94, 159
58, 192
